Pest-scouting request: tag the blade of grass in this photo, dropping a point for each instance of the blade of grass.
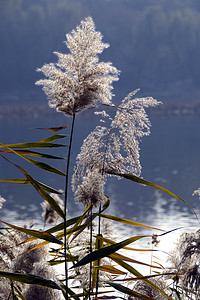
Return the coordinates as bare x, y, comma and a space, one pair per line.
53, 138
106, 251
26, 181
148, 183
41, 165
54, 129
126, 221
125, 258
38, 234
32, 145
137, 274
33, 153
128, 291
40, 190
30, 279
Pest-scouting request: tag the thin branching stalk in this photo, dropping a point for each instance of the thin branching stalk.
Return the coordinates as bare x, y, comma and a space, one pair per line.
65, 204
99, 232
90, 279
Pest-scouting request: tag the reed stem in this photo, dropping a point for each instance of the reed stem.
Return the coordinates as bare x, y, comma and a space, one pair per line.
65, 204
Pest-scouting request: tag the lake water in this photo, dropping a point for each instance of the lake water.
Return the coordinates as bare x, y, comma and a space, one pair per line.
169, 157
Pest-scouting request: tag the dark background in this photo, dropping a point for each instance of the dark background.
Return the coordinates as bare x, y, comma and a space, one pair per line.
154, 43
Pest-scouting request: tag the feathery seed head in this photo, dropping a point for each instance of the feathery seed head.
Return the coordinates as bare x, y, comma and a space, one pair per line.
115, 149
197, 192
33, 292
78, 79
146, 290
91, 191
2, 200
185, 260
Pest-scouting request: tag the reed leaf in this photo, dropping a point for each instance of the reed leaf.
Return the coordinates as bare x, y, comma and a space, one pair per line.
38, 234
33, 153
126, 221
54, 129
110, 269
148, 183
30, 279
137, 274
106, 204
40, 190
43, 166
96, 263
26, 181
39, 164
106, 251
32, 145
128, 291
53, 138
125, 258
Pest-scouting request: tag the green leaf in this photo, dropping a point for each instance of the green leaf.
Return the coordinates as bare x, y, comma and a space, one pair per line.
41, 165
145, 182
106, 251
33, 153
110, 269
30, 279
106, 204
125, 258
127, 291
26, 181
40, 190
38, 234
32, 145
53, 138
54, 129
61, 225
137, 274
126, 221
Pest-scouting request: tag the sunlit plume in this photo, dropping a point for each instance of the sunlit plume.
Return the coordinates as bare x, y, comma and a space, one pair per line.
114, 149
78, 80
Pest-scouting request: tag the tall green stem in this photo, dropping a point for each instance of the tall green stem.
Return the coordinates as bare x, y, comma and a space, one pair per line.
65, 204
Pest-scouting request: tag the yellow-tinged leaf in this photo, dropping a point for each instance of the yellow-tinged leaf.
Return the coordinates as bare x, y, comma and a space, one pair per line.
137, 274
96, 263
110, 269
38, 234
41, 165
32, 145
148, 183
53, 138
110, 242
26, 181
126, 221
79, 221
54, 129
40, 190
125, 258
33, 153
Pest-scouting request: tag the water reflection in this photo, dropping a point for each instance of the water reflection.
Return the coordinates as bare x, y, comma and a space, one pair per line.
169, 158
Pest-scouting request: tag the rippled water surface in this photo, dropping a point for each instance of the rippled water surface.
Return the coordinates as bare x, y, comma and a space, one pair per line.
169, 156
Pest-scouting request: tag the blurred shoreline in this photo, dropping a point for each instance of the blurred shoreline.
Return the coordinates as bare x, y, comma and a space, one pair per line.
22, 111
